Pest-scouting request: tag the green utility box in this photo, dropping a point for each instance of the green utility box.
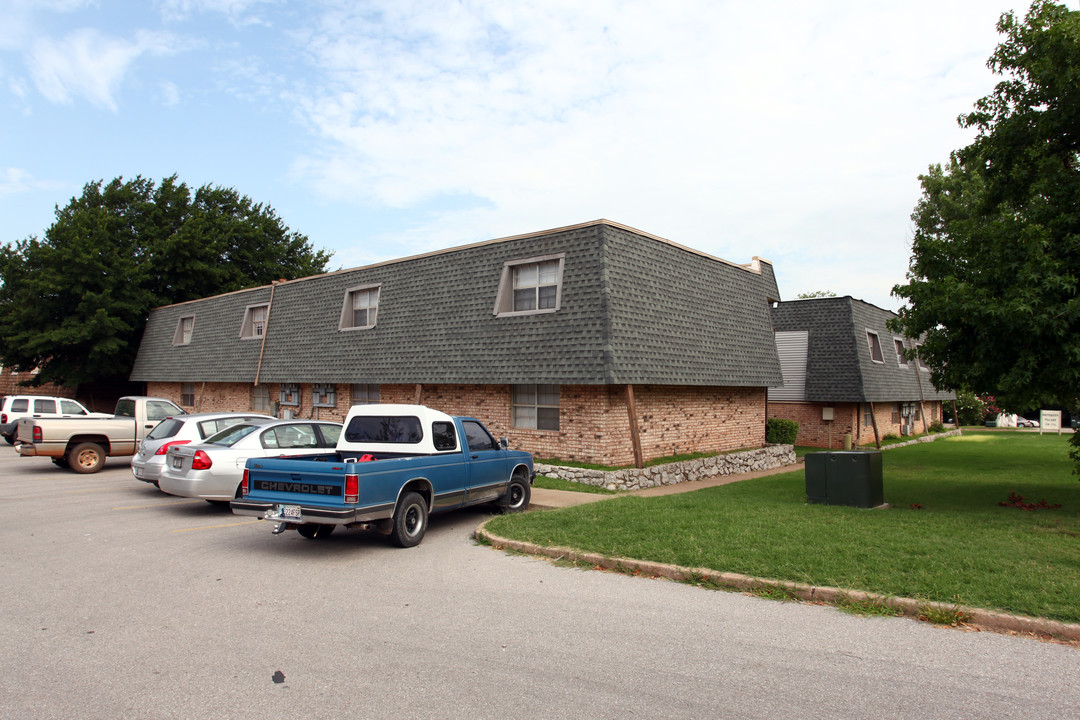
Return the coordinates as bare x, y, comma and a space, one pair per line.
848, 477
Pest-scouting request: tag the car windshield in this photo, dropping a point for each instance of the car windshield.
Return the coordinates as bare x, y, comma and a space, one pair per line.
165, 429
232, 435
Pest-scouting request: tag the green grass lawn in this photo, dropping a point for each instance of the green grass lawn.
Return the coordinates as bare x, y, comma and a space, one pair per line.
945, 538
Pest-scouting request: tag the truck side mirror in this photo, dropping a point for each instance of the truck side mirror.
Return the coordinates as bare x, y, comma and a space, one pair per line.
504, 442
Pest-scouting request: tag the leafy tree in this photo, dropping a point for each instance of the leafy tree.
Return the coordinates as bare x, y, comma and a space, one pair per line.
816, 294
993, 276
75, 302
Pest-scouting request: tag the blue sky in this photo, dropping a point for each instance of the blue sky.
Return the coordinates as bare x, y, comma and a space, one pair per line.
788, 130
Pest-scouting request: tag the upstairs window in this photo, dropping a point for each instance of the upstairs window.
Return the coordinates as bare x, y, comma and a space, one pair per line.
530, 286
901, 356
360, 308
919, 360
254, 326
875, 347
184, 327
536, 407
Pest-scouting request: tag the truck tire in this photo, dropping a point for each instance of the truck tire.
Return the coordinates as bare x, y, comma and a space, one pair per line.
410, 521
315, 531
10, 439
86, 457
517, 495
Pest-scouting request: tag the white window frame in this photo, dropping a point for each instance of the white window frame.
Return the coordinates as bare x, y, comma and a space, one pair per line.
185, 329
504, 298
250, 329
918, 359
525, 412
873, 340
345, 322
901, 356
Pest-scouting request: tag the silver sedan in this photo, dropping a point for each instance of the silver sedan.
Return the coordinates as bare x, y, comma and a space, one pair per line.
147, 463
213, 470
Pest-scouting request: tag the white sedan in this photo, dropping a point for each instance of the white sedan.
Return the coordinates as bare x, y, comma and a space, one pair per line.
212, 471
147, 463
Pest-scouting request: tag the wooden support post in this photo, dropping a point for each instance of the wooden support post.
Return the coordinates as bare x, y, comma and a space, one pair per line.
873, 421
419, 393
635, 438
955, 416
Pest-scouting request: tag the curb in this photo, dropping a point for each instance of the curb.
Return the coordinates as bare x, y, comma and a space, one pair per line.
908, 607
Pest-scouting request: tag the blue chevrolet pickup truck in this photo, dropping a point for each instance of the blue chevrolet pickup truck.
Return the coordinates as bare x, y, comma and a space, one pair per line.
393, 465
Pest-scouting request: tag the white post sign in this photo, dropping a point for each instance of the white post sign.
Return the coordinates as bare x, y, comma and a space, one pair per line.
1049, 420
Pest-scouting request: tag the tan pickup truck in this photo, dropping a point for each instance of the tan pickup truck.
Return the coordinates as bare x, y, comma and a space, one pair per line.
82, 444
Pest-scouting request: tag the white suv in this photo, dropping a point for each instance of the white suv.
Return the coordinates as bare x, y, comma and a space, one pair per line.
13, 407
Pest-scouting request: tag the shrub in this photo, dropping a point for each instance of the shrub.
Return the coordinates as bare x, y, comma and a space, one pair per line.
781, 432
937, 427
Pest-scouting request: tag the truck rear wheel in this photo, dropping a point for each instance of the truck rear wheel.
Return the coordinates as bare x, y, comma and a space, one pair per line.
86, 457
410, 521
315, 531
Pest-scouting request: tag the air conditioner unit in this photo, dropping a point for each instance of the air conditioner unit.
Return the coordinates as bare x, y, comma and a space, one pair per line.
288, 414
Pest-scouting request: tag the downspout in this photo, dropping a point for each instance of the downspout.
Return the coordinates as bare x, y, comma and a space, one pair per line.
266, 331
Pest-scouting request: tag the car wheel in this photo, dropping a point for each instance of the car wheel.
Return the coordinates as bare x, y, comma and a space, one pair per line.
10, 439
315, 531
517, 495
410, 521
86, 458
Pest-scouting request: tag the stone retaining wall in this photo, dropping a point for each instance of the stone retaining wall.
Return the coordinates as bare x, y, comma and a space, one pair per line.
766, 458
920, 439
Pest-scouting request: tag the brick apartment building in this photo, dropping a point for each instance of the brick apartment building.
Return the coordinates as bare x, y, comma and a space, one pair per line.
595, 342
845, 371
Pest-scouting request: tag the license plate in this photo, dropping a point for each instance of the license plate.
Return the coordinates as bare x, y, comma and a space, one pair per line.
177, 463
290, 511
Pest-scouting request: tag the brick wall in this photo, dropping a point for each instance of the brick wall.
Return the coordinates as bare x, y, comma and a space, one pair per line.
593, 420
9, 385
847, 418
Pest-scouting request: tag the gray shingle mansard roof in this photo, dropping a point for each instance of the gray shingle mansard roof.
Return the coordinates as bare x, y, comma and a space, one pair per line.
838, 365
635, 309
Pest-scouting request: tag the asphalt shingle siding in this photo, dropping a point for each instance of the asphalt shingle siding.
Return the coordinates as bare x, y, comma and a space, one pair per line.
839, 367
634, 309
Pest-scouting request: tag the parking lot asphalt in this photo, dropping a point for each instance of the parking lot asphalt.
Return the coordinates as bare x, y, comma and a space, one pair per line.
120, 602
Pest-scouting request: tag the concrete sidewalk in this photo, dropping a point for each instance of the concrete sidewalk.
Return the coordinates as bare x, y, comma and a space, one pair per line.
542, 498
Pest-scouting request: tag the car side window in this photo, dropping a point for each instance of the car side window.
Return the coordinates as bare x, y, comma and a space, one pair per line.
292, 437
159, 410
478, 437
443, 435
19, 405
69, 407
45, 406
330, 435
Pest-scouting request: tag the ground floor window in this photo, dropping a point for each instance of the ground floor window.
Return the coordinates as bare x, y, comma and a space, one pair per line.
365, 394
187, 394
260, 399
536, 407
868, 415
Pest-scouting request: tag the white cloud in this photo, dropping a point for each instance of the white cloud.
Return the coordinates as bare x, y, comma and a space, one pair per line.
15, 181
88, 64
725, 126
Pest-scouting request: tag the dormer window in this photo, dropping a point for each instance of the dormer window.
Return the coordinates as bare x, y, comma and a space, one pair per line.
360, 308
530, 286
901, 356
185, 326
254, 326
875, 347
